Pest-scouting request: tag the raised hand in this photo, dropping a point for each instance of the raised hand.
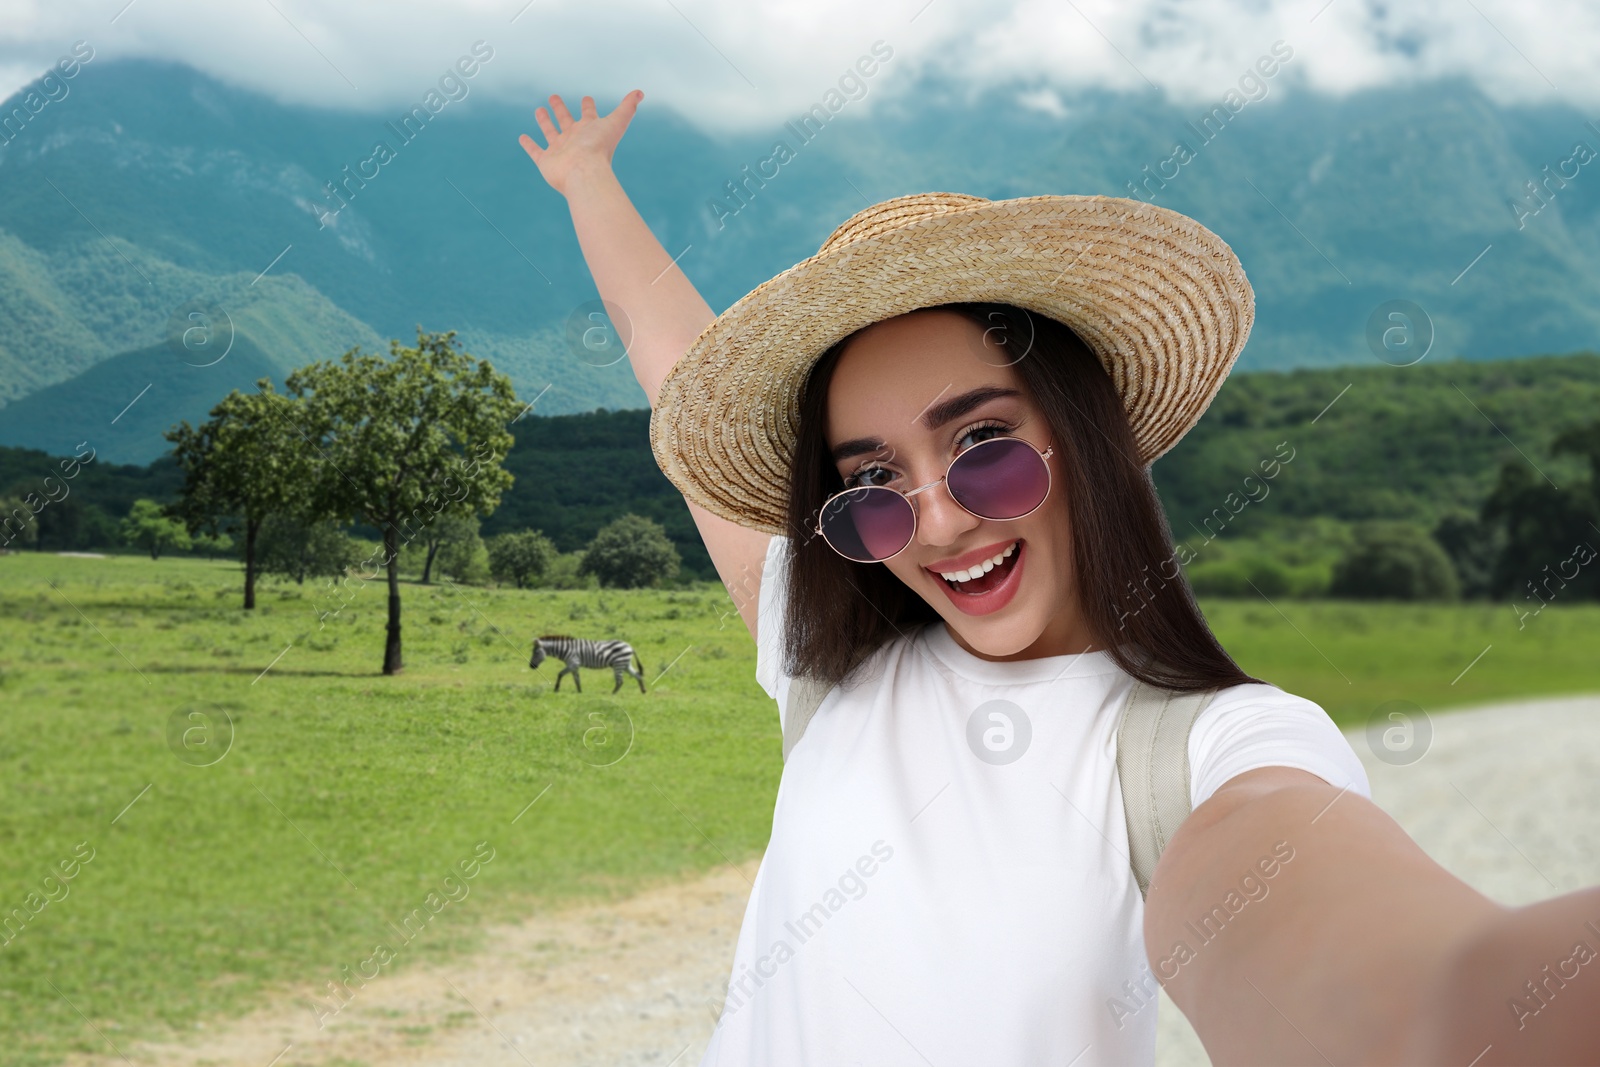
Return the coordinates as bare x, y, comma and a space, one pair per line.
579, 145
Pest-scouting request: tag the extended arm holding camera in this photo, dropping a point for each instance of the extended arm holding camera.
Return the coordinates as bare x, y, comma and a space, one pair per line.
1360, 949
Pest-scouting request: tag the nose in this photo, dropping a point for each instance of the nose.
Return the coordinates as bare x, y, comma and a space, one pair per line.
940, 520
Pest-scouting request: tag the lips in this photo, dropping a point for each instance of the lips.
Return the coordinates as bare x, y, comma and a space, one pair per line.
997, 588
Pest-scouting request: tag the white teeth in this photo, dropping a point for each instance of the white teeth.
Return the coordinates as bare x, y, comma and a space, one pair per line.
982, 568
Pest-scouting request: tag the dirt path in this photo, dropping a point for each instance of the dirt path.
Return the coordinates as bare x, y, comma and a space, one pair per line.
629, 983
1505, 797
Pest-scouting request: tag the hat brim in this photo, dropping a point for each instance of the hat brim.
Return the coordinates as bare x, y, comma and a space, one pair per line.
1162, 302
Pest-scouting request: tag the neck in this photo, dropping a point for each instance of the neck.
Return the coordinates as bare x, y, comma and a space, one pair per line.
1066, 634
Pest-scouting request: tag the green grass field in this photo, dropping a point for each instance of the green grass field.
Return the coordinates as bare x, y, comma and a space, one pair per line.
346, 798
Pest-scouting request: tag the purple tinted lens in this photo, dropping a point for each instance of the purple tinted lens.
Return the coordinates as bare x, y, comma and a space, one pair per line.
1002, 478
868, 524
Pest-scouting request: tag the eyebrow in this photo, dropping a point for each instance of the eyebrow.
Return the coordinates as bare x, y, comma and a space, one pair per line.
933, 417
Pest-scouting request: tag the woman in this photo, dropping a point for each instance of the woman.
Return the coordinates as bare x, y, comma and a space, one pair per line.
937, 505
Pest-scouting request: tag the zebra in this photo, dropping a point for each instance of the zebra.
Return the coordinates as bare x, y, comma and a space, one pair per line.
578, 652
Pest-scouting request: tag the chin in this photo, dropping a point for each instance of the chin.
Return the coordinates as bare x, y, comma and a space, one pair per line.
996, 638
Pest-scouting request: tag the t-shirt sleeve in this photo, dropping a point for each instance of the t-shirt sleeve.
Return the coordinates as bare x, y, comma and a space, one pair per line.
1258, 725
769, 620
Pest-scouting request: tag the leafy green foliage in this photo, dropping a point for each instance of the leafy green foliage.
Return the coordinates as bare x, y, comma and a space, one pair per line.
575, 473
1401, 443
149, 527
1543, 524
211, 545
405, 439
1395, 561
1245, 577
18, 528
565, 572
249, 461
451, 541
465, 561
297, 549
1475, 547
631, 553
520, 558
1374, 442
100, 492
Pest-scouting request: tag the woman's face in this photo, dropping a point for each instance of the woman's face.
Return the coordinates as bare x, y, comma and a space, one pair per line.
908, 395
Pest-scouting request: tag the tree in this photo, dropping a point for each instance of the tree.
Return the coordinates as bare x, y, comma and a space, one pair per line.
464, 560
631, 552
1473, 547
520, 558
294, 548
213, 545
17, 526
1394, 561
61, 526
1544, 525
452, 528
407, 438
149, 527
250, 461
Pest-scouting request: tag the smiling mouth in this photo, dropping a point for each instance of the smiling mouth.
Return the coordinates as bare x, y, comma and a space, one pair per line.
984, 576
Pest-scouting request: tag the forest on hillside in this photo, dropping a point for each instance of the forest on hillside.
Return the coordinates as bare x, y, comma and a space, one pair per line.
1458, 453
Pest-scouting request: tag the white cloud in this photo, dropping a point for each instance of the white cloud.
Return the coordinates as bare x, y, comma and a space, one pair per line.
1044, 99
732, 65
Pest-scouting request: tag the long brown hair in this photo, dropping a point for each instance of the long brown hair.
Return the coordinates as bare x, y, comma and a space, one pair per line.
1132, 590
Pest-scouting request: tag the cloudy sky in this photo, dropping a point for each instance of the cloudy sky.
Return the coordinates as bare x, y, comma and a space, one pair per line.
736, 65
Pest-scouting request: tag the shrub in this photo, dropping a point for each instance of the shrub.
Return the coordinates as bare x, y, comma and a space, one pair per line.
1394, 561
520, 558
1473, 546
630, 553
564, 573
465, 561
290, 548
149, 527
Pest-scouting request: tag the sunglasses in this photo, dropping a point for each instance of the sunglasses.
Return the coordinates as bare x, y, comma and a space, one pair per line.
1001, 478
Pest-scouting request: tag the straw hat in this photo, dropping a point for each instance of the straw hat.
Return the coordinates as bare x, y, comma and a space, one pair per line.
1161, 301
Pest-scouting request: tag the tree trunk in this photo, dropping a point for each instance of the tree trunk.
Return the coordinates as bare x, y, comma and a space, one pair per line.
391, 647
427, 565
250, 529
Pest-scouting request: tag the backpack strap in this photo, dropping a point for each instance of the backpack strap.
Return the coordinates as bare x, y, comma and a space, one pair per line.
1153, 766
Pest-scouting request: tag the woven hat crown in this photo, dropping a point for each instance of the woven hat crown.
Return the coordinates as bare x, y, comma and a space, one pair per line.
893, 214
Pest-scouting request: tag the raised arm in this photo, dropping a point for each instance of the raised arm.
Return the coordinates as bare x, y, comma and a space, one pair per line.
633, 272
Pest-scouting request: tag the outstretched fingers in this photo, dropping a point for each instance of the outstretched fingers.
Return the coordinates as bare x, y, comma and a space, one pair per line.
576, 142
542, 117
559, 107
628, 105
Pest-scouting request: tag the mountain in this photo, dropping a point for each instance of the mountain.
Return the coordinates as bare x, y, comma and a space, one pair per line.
152, 185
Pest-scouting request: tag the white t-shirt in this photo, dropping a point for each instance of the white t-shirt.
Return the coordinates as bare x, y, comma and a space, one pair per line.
947, 880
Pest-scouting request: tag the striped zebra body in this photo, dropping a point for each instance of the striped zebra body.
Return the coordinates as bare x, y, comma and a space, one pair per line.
576, 652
